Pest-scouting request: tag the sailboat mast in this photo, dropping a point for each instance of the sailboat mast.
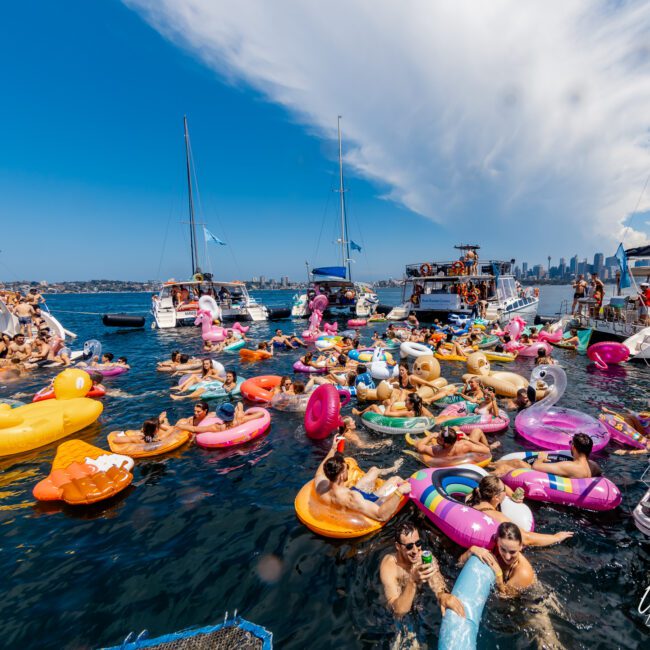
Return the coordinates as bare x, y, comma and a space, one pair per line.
193, 247
345, 247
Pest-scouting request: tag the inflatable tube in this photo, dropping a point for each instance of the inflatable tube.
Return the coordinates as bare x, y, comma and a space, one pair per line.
260, 389
279, 313
488, 342
254, 355
550, 427
323, 411
449, 357
366, 355
531, 350
122, 320
641, 514
237, 435
299, 366
396, 426
502, 357
209, 304
168, 442
293, 403
440, 494
480, 460
214, 388
357, 322
339, 523
472, 588
83, 474
550, 337
608, 352
621, 431
238, 345
415, 350
108, 372
48, 393
596, 493
461, 414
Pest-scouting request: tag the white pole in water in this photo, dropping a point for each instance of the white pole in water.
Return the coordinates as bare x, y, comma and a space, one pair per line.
345, 252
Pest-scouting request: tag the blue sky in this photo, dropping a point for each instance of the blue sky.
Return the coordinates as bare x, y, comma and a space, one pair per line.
92, 162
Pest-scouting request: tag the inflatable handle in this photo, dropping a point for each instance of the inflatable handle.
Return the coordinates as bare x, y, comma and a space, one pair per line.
598, 360
344, 396
472, 588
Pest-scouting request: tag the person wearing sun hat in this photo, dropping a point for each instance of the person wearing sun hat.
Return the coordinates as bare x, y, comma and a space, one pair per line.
232, 416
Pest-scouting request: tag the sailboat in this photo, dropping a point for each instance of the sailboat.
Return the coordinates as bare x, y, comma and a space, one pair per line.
344, 295
178, 302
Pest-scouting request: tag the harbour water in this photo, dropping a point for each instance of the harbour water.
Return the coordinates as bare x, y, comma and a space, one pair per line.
203, 532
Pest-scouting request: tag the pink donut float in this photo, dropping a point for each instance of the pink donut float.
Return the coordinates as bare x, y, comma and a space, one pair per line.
606, 353
621, 431
238, 435
323, 411
357, 322
109, 372
299, 366
550, 337
440, 494
596, 493
550, 427
529, 350
463, 415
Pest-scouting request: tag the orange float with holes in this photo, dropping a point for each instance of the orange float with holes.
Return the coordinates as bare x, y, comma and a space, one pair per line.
83, 474
260, 389
254, 355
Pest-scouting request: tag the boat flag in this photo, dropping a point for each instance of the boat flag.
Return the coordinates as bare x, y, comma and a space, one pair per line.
354, 246
622, 262
209, 237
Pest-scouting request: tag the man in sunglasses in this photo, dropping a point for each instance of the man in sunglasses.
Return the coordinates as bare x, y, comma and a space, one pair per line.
403, 574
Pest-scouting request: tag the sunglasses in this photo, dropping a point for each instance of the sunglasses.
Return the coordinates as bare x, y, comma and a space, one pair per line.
410, 545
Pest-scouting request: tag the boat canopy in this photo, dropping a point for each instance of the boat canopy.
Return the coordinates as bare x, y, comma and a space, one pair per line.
332, 271
639, 251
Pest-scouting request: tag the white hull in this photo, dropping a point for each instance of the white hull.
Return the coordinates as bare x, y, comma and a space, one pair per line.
9, 323
363, 308
639, 344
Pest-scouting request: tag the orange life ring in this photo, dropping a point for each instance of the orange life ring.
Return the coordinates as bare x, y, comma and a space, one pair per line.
536, 292
425, 269
457, 268
472, 298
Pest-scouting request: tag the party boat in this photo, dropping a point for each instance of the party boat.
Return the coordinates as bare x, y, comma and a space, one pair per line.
437, 290
178, 301
335, 282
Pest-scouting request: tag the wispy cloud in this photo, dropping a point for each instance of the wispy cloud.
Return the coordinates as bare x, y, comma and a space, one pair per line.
533, 113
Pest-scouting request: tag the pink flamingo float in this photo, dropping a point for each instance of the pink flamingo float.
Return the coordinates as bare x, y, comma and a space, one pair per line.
215, 333
317, 306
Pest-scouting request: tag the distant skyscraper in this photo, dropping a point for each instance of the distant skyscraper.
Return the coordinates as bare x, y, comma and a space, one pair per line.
599, 263
524, 268
573, 267
262, 280
285, 281
562, 267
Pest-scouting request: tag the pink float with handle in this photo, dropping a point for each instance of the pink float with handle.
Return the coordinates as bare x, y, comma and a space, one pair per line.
550, 427
608, 353
237, 435
597, 493
323, 411
357, 322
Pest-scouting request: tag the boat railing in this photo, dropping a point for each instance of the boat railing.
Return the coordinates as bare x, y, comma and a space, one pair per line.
456, 269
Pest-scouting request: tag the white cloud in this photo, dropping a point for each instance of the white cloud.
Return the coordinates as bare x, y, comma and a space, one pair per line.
534, 112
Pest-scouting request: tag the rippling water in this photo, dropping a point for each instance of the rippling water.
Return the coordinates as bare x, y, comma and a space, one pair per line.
203, 532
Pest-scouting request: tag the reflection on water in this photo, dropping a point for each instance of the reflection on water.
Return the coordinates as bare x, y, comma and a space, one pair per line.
201, 532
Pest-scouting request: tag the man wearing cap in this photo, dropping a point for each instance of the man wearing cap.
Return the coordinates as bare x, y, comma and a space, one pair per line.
644, 303
229, 416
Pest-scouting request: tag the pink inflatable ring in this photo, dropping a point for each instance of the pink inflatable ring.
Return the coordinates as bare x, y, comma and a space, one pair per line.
597, 493
606, 353
238, 435
323, 411
621, 431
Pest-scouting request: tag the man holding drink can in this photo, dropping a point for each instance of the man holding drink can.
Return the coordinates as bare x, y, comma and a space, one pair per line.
408, 570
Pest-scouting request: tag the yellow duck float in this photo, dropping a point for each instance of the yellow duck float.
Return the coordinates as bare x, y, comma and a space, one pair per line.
41, 423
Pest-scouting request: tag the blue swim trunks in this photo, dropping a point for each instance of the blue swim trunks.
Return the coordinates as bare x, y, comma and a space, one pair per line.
368, 496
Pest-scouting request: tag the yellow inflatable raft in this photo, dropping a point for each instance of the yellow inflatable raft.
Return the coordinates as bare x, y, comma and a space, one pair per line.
131, 443
336, 522
41, 423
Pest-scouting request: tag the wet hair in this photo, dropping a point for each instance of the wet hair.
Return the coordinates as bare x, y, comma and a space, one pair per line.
334, 466
342, 359
204, 405
449, 436
96, 377
109, 355
450, 337
230, 371
308, 357
508, 530
416, 401
361, 368
541, 353
404, 529
204, 370
122, 359
487, 489
284, 379
175, 355
405, 365
574, 332
149, 429
298, 387
355, 343
583, 443
350, 378
499, 348
506, 338
261, 345
184, 358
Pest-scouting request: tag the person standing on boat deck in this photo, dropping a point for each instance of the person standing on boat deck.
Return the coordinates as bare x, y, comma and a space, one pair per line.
598, 293
644, 303
403, 574
579, 289
24, 312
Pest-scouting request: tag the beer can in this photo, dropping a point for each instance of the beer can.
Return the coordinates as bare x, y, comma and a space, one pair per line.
427, 557
340, 444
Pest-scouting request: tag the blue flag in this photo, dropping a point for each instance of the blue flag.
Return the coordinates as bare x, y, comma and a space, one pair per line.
354, 246
209, 237
622, 262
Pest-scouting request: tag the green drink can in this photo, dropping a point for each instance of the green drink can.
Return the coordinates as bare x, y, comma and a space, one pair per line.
427, 557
